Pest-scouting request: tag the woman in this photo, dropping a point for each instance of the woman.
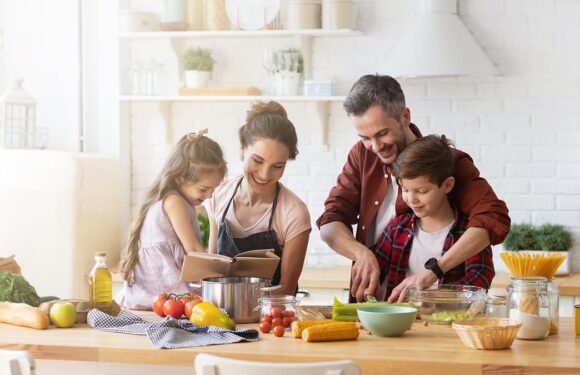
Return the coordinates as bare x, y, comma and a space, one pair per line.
255, 211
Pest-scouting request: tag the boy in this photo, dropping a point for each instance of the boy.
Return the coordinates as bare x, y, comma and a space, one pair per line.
415, 240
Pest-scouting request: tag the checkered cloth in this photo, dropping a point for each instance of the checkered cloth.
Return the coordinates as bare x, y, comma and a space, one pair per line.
169, 333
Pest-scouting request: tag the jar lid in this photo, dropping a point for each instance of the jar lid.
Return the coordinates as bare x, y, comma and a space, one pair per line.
497, 294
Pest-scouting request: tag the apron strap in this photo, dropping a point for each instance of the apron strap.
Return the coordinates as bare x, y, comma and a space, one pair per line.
231, 199
274, 205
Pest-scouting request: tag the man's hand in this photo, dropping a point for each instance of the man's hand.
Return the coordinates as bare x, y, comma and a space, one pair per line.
420, 280
364, 274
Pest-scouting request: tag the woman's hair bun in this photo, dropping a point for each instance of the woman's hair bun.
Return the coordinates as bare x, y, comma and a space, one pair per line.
265, 108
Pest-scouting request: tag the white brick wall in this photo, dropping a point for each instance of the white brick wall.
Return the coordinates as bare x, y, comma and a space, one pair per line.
522, 128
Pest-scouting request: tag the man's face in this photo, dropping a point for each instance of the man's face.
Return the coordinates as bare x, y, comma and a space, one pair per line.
385, 136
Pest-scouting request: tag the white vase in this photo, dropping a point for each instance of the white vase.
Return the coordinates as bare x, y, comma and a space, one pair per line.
286, 83
196, 78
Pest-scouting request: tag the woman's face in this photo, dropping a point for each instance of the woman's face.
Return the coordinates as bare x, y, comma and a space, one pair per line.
264, 163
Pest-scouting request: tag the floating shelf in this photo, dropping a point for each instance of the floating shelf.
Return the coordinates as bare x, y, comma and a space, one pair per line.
239, 34
228, 98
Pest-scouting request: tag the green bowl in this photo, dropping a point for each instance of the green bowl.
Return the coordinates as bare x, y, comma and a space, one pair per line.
387, 321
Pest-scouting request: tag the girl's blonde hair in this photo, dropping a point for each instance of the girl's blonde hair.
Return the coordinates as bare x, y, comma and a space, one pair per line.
194, 156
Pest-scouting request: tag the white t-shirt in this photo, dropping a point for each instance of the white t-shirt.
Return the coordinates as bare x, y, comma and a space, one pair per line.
425, 246
290, 218
386, 211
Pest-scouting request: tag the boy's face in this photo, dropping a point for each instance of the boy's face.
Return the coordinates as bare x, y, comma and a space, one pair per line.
424, 197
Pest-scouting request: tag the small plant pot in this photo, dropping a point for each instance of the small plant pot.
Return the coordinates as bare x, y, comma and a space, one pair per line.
196, 78
286, 83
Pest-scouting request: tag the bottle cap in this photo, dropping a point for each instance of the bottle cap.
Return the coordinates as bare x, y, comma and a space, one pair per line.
101, 254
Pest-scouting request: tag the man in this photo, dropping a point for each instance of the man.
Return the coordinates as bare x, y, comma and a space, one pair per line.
367, 195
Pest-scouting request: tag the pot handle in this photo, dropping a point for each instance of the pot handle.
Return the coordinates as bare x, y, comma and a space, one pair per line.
270, 288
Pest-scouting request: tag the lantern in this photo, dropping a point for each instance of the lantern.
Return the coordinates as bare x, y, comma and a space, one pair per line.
17, 118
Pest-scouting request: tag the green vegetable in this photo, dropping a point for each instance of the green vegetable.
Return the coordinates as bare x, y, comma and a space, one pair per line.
449, 316
347, 312
14, 288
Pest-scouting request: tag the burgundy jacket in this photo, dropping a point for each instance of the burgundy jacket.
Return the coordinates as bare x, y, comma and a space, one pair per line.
362, 185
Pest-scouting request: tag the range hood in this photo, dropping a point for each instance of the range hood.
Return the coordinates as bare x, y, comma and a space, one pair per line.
438, 44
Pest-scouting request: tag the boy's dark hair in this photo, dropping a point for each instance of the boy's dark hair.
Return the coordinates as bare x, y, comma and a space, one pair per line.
374, 89
430, 156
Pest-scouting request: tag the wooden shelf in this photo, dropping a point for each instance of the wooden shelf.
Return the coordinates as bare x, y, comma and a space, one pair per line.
228, 98
239, 34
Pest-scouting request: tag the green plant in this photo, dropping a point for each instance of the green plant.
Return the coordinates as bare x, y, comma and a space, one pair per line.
203, 221
554, 237
548, 237
288, 64
197, 59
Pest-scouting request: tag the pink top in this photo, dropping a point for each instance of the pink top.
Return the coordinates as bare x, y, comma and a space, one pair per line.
160, 260
291, 217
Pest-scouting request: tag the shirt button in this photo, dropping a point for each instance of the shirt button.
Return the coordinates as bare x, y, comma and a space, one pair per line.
363, 227
376, 203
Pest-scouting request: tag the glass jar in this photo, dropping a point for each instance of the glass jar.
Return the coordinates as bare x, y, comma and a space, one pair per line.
554, 298
215, 17
278, 310
528, 302
496, 303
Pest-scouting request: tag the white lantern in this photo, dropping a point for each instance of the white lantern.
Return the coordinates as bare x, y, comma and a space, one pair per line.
17, 118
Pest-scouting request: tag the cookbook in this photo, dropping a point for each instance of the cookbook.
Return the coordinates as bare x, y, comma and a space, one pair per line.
254, 263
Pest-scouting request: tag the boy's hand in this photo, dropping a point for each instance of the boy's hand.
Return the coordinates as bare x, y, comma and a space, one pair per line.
420, 280
364, 274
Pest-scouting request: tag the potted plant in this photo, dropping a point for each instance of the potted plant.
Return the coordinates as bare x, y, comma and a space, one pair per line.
289, 64
548, 237
198, 65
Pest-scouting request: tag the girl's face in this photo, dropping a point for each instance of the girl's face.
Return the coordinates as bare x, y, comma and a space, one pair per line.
196, 192
264, 163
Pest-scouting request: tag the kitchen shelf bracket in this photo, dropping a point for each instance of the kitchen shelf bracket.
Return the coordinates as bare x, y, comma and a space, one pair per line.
165, 108
322, 110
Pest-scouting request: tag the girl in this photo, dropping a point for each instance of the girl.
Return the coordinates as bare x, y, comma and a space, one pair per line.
166, 226
255, 211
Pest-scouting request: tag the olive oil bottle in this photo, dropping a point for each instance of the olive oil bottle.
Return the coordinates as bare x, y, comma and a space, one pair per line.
101, 285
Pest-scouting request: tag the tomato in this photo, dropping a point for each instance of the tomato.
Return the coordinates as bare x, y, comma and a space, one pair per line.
173, 308
279, 331
276, 312
266, 318
158, 304
189, 306
286, 321
288, 313
276, 322
265, 327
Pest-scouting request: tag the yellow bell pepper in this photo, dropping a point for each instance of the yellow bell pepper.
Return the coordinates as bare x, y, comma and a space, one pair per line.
208, 314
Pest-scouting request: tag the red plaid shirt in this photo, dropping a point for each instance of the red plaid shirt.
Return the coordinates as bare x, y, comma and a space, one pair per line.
394, 248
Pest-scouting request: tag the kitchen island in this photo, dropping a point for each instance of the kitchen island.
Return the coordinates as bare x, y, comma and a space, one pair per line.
432, 349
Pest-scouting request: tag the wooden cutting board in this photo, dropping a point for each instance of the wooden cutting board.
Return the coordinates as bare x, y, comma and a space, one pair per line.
220, 91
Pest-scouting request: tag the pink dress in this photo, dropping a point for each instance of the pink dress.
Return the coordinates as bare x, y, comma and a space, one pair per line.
160, 260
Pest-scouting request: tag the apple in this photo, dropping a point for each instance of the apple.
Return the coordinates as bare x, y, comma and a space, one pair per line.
63, 314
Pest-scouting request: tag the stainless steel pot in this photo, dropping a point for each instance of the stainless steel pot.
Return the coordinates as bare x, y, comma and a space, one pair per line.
239, 296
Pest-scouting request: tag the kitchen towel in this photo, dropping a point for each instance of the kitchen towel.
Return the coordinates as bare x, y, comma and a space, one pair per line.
169, 333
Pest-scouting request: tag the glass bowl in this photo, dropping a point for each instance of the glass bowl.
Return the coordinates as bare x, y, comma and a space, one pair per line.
444, 304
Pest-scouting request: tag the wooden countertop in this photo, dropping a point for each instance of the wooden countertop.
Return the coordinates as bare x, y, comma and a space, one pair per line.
569, 285
325, 278
435, 349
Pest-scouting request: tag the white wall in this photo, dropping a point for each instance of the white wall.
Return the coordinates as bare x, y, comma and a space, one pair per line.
41, 45
522, 129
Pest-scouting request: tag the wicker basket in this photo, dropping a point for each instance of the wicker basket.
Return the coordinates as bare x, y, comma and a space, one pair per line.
486, 333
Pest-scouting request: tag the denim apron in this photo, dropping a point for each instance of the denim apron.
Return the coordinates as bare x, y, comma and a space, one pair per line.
230, 246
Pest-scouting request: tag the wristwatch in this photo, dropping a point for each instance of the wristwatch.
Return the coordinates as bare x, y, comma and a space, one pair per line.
432, 265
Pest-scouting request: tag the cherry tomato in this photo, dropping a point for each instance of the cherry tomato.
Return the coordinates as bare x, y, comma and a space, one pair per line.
276, 322
189, 306
173, 308
286, 321
279, 331
276, 312
266, 318
158, 304
265, 327
184, 298
288, 313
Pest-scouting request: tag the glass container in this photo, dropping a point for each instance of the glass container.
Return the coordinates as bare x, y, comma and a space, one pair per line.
528, 302
496, 303
554, 299
278, 310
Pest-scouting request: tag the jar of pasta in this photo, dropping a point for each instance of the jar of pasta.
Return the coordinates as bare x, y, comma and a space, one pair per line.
528, 302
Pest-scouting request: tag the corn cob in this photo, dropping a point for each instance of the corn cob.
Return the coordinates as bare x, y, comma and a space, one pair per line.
299, 326
331, 332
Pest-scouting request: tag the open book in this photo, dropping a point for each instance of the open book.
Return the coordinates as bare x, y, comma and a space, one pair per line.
253, 263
